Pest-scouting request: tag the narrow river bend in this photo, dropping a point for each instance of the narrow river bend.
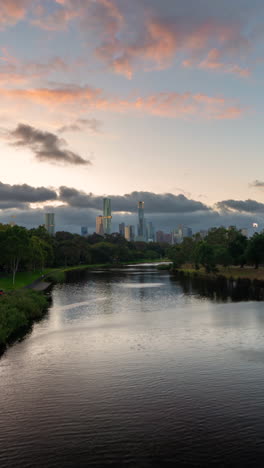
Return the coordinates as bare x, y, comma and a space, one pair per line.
130, 368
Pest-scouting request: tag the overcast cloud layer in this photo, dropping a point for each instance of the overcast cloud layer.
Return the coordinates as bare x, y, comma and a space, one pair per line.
78, 208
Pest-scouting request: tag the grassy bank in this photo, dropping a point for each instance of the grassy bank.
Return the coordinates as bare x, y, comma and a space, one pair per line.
232, 272
18, 310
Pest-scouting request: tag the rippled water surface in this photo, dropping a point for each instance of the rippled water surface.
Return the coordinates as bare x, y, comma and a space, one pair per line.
132, 368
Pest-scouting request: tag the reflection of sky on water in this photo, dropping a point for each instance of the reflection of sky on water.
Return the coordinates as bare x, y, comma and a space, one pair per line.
141, 285
120, 365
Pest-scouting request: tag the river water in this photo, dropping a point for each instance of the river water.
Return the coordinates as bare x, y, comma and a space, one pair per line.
134, 368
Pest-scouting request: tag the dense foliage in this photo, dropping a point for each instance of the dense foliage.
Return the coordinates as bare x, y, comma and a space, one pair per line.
221, 246
34, 249
17, 312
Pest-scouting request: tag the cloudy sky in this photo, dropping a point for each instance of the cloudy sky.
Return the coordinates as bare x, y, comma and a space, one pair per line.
150, 99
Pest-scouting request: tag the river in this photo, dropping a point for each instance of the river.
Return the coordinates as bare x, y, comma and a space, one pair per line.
133, 368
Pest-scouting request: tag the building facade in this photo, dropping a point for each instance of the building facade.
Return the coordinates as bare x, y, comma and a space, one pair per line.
122, 229
141, 221
107, 215
100, 225
50, 223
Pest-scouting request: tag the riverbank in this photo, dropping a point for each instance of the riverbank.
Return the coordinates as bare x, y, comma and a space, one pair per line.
18, 311
235, 273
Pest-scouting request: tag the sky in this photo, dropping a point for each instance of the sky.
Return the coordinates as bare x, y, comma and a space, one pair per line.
153, 100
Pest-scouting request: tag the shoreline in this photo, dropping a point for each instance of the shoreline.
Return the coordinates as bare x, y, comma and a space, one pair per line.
232, 274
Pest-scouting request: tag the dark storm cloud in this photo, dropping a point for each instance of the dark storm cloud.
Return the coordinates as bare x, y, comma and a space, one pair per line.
247, 206
46, 146
154, 203
17, 195
79, 125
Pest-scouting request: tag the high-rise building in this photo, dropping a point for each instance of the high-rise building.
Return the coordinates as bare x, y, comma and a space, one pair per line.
180, 233
150, 233
162, 236
50, 223
107, 215
122, 229
141, 223
84, 231
100, 225
129, 233
132, 233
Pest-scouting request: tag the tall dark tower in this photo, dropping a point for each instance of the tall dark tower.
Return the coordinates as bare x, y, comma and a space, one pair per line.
141, 219
107, 216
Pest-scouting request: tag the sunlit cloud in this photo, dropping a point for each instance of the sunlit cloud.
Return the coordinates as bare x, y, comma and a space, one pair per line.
163, 104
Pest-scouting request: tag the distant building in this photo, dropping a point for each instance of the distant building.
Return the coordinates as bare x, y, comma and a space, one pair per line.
50, 223
132, 233
167, 238
107, 215
141, 221
150, 233
84, 231
180, 233
163, 237
122, 229
100, 225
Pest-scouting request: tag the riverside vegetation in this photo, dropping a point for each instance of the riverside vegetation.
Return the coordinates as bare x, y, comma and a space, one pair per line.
34, 251
225, 252
27, 254
18, 310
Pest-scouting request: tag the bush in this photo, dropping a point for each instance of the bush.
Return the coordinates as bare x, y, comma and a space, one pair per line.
17, 312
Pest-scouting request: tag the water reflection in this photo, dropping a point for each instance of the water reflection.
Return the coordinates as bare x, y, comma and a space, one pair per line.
168, 372
220, 289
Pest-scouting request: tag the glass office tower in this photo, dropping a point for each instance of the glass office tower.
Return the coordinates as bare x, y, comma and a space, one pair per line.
50, 223
107, 215
141, 220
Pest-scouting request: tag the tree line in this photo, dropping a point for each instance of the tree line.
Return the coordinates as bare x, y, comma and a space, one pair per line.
221, 246
34, 249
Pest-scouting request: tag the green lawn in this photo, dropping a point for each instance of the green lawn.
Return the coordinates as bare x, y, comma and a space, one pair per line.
22, 279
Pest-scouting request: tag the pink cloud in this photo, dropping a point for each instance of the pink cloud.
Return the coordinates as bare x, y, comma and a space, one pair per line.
129, 36
163, 104
12, 11
13, 71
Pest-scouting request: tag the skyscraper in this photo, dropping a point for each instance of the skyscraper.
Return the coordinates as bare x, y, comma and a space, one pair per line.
150, 237
141, 220
122, 229
129, 233
50, 223
100, 225
107, 216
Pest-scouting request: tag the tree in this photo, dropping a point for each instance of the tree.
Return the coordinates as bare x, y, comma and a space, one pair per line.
255, 250
205, 255
176, 254
15, 247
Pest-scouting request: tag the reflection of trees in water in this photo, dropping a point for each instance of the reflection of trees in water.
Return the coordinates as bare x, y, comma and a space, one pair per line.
221, 289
